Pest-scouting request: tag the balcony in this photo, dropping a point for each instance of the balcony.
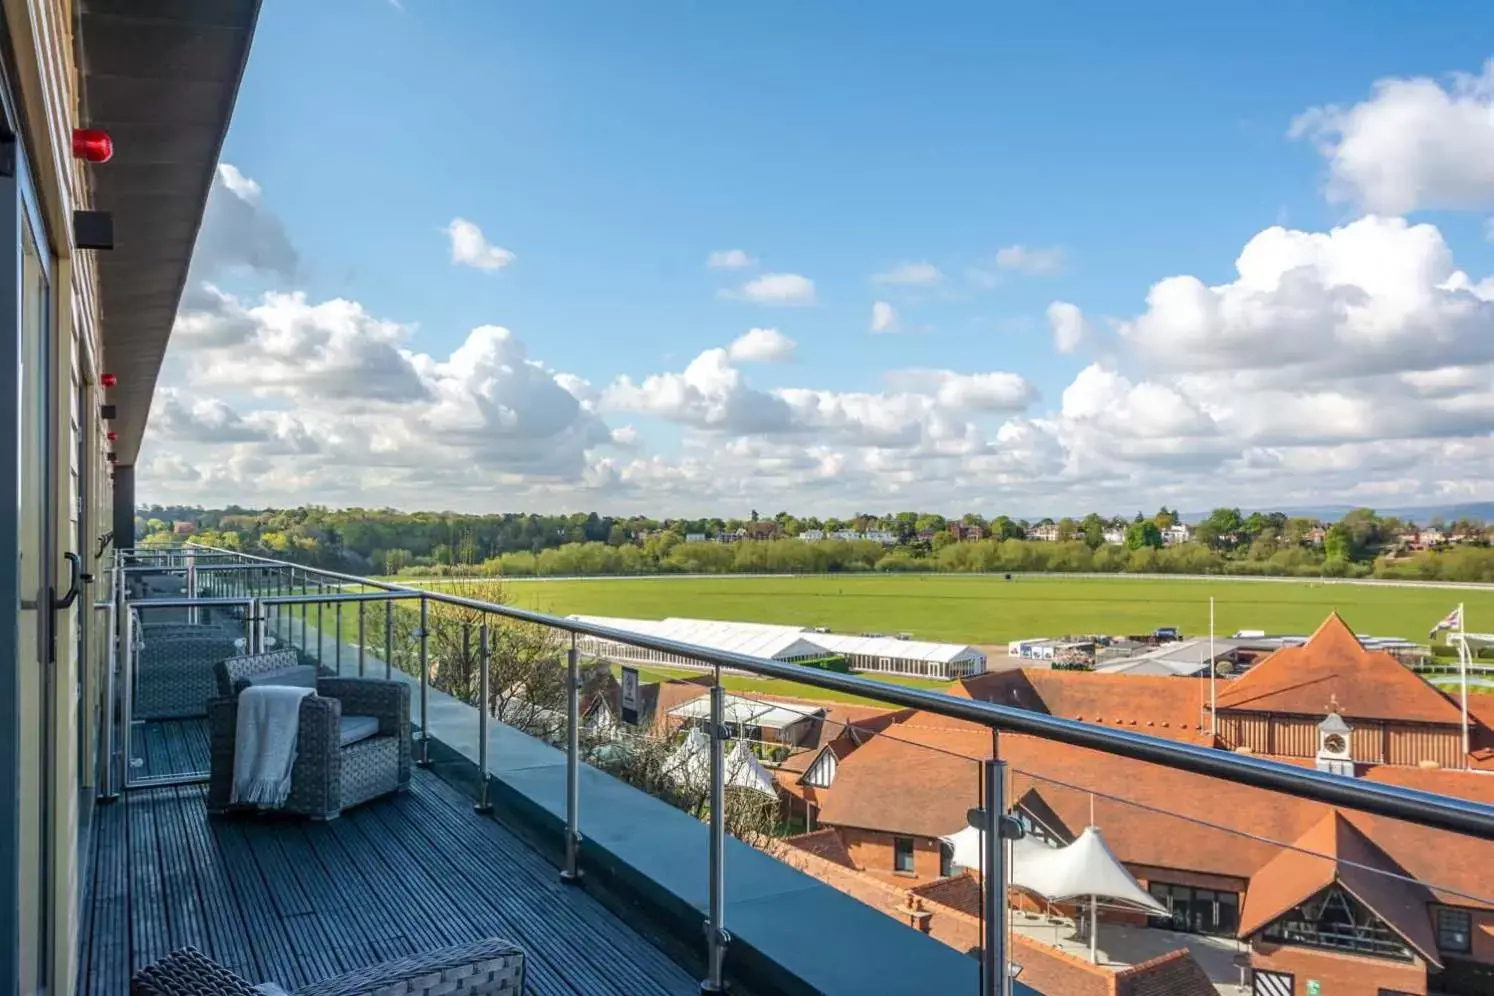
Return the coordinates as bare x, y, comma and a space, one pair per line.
293, 901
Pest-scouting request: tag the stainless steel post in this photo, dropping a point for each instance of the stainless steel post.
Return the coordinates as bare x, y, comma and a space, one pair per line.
362, 618
127, 675
425, 672
716, 936
995, 962
482, 805
319, 628
109, 790
572, 871
337, 636
388, 638
191, 585
256, 627
303, 612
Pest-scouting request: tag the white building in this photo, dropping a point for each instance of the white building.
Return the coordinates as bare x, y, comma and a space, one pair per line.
1115, 537
1178, 532
695, 537
812, 535
1043, 534
878, 654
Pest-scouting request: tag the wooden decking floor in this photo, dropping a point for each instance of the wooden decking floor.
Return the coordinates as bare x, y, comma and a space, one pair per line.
288, 900
164, 747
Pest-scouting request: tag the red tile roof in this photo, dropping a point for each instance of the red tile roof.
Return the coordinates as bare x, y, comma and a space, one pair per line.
1172, 708
1333, 667
920, 778
1335, 850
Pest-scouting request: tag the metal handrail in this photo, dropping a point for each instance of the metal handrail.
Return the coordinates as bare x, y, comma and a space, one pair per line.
1413, 805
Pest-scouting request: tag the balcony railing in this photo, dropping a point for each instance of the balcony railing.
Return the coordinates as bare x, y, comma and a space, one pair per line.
349, 624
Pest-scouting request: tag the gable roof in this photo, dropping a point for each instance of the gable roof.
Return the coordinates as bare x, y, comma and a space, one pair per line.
1332, 666
1331, 851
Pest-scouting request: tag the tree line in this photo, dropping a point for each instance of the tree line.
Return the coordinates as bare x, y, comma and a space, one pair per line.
1361, 544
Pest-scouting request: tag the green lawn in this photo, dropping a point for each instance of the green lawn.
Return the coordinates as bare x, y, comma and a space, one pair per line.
990, 610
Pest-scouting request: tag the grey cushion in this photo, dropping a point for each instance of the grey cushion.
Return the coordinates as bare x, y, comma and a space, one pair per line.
351, 729
300, 676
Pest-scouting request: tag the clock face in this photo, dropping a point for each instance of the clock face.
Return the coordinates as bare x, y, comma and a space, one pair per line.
1333, 743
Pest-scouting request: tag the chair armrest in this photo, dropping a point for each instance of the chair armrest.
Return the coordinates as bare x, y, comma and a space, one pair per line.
481, 968
388, 700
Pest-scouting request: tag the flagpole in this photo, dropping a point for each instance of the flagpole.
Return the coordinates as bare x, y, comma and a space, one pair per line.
1213, 712
1463, 679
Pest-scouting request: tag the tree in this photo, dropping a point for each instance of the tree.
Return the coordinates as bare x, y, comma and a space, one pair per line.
1226, 523
1144, 534
1165, 518
1094, 530
1003, 527
526, 674
1338, 543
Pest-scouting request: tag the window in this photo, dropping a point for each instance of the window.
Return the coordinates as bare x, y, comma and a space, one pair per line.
1334, 919
902, 854
946, 859
1454, 930
1197, 911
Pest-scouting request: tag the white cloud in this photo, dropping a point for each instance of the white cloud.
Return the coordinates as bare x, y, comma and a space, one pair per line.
1033, 261
1349, 365
761, 346
1374, 296
1415, 144
919, 274
1069, 327
884, 317
730, 259
239, 235
469, 247
776, 288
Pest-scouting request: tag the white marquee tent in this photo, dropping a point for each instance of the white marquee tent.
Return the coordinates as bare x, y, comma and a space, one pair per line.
1084, 868
691, 765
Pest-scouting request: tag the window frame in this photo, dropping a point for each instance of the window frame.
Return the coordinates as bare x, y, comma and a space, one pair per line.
900, 846
1466, 930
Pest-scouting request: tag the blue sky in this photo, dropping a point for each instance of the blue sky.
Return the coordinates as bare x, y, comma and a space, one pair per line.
612, 147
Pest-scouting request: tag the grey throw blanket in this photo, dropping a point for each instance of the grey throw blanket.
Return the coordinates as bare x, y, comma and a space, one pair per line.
264, 747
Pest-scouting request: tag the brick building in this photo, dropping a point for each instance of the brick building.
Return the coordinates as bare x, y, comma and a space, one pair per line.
1358, 903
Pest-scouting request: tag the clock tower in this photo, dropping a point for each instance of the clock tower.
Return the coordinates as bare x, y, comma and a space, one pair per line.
1334, 754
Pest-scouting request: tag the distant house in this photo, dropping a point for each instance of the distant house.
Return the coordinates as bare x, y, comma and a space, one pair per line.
183, 528
1430, 537
926, 534
812, 535
1044, 534
695, 537
880, 536
967, 533
765, 530
1315, 536
1178, 532
1113, 536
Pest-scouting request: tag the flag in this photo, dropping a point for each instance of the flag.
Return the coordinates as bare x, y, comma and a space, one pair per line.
1453, 620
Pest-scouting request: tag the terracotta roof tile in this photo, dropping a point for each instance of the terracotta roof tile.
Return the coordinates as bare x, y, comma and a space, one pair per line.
960, 892
1171, 708
825, 844
1333, 666
1364, 869
908, 781
1174, 974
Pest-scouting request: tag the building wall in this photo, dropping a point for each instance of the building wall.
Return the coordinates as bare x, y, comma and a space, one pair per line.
1370, 743
1340, 974
872, 851
60, 717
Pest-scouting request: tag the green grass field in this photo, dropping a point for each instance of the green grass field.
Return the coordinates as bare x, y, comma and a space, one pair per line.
990, 610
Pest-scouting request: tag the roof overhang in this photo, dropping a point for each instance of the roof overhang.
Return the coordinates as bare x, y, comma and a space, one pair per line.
161, 77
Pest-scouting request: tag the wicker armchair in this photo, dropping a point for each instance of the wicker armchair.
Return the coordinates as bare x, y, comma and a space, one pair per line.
174, 676
482, 968
353, 742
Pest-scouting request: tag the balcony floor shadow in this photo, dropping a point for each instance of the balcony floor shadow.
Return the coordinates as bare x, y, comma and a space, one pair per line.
287, 900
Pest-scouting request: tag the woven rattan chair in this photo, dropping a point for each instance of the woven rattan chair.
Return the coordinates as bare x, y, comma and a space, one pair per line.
353, 742
174, 674
482, 968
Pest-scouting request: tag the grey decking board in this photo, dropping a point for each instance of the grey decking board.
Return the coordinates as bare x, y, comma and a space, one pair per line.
294, 901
